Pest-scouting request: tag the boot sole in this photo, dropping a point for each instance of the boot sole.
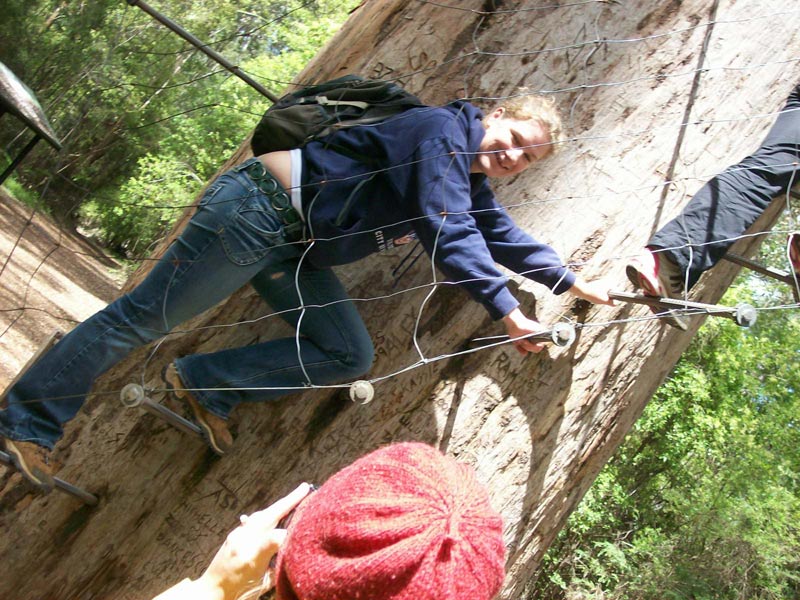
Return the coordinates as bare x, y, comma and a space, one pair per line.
43, 482
208, 434
633, 276
671, 318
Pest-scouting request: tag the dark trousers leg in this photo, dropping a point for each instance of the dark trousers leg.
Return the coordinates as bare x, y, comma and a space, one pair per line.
728, 204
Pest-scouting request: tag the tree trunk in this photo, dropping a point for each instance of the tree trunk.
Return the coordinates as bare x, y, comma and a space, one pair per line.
659, 96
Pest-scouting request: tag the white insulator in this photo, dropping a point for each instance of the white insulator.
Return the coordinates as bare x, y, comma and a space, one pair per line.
746, 315
361, 391
132, 395
563, 334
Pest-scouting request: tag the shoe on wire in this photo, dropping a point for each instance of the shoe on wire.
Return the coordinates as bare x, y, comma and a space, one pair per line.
215, 429
656, 275
33, 462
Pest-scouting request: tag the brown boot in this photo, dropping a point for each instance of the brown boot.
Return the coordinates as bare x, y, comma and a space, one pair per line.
33, 461
215, 429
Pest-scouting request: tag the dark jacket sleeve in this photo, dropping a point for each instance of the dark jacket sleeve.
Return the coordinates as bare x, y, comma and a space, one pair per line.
514, 248
467, 233
448, 230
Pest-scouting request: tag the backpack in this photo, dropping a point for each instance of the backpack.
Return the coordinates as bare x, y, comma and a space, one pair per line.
319, 110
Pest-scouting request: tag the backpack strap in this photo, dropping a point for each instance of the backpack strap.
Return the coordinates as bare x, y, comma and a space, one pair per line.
325, 101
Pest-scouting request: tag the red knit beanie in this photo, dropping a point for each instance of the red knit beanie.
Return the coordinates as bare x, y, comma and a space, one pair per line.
402, 523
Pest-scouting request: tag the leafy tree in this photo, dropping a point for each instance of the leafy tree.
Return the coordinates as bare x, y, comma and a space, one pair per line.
124, 92
702, 500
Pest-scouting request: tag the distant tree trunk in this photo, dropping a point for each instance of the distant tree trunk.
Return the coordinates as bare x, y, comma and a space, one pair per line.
630, 76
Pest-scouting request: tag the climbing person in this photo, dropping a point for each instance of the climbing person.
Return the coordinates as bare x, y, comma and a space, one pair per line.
280, 221
721, 211
404, 522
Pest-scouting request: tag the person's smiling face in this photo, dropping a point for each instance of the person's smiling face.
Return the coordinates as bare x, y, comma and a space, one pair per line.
510, 145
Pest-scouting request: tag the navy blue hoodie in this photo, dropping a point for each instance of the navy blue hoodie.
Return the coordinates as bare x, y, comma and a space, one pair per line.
416, 179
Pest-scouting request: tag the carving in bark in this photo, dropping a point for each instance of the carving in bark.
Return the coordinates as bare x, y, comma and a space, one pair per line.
539, 429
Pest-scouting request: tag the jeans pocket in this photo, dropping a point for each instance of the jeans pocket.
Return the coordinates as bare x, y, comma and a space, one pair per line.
252, 233
210, 192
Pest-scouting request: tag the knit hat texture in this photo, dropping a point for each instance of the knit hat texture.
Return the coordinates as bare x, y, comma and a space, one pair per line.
404, 522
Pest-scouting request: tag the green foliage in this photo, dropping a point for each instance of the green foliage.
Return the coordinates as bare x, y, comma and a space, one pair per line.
702, 500
146, 205
17, 189
121, 89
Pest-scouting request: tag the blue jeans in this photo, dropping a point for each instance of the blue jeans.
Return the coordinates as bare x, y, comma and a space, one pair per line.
235, 237
729, 203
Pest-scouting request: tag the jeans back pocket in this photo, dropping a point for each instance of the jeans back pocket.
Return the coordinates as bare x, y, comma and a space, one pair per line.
253, 231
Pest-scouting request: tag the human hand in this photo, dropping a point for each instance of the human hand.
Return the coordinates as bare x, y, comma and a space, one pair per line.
518, 326
243, 560
595, 291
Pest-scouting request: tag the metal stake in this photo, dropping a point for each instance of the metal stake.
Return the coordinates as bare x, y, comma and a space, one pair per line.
60, 484
744, 314
777, 274
562, 335
204, 48
133, 395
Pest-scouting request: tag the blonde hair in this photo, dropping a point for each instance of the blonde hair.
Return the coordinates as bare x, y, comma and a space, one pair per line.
528, 106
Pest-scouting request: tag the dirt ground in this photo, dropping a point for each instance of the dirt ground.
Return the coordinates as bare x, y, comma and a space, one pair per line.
49, 281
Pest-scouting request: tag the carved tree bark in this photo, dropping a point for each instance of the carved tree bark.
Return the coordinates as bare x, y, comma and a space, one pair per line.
659, 97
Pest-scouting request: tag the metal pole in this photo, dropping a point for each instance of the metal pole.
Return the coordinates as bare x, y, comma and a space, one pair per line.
133, 395
776, 274
15, 163
562, 335
204, 48
759, 268
744, 314
60, 484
